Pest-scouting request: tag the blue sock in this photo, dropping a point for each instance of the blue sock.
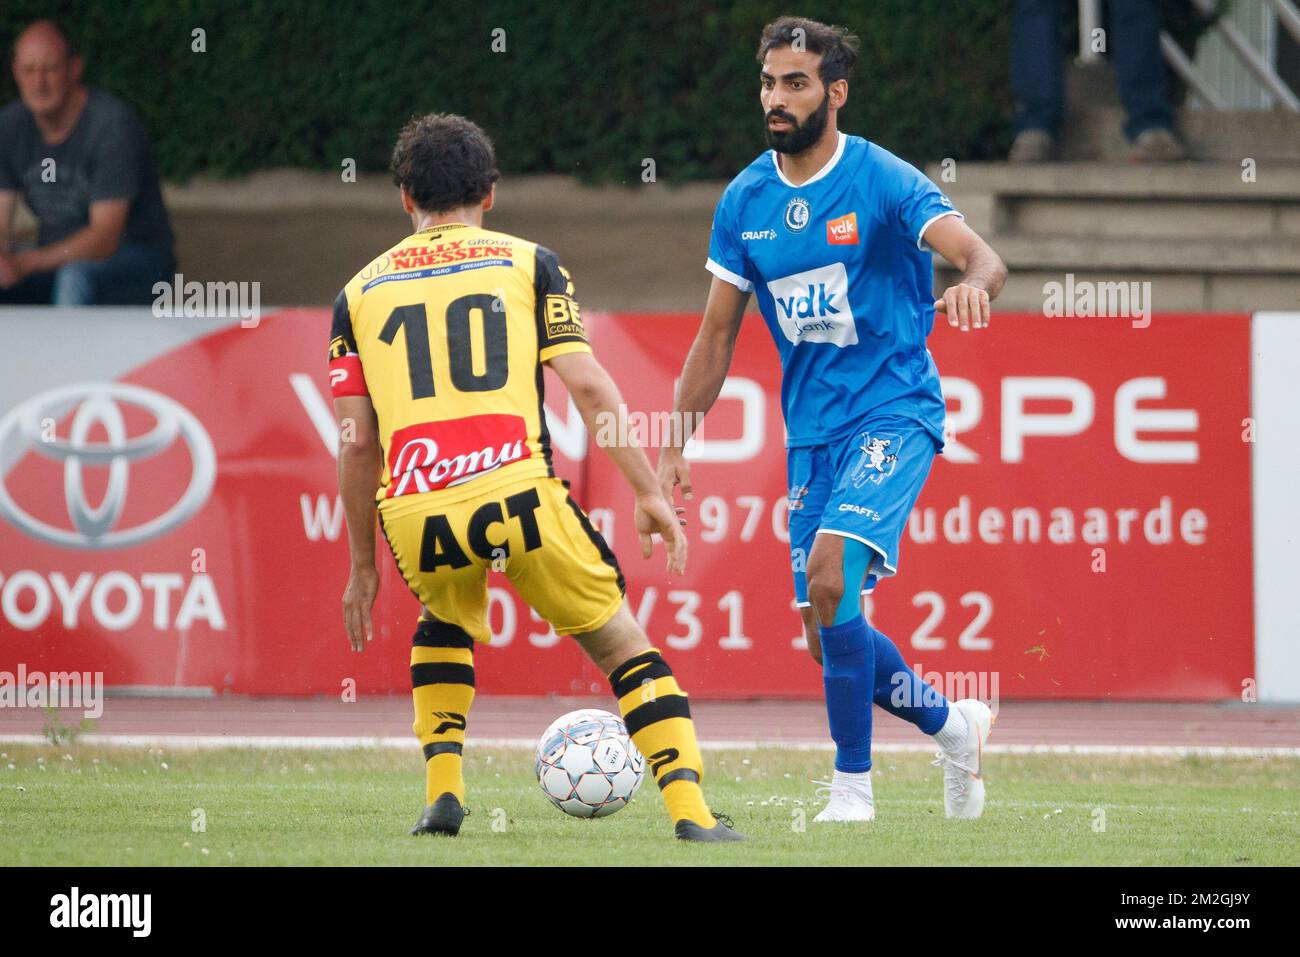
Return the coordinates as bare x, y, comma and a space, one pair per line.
848, 665
900, 690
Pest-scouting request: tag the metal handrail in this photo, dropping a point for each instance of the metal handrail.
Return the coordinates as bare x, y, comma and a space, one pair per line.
1089, 20
1288, 16
1181, 65
1251, 59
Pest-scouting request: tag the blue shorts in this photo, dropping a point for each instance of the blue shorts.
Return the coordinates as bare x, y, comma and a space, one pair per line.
862, 487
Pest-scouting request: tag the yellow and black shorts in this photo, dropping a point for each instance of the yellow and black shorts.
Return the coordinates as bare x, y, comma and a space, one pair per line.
531, 530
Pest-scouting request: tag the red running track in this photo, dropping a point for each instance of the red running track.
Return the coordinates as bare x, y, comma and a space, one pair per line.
1053, 724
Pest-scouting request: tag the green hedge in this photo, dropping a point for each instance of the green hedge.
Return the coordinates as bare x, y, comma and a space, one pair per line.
585, 88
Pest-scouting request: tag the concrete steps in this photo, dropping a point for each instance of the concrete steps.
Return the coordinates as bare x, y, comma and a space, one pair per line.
1267, 136
303, 233
1205, 237
1213, 255
1094, 123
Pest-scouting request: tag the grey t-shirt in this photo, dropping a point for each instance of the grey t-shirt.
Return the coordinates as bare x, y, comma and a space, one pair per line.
107, 156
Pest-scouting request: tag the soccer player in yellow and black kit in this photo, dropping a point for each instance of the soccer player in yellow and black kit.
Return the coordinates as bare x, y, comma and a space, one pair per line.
436, 357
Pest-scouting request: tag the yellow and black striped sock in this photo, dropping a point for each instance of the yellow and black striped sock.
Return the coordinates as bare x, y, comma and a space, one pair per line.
442, 685
659, 721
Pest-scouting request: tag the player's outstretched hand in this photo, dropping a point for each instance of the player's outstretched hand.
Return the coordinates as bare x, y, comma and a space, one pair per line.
967, 306
358, 600
673, 470
656, 516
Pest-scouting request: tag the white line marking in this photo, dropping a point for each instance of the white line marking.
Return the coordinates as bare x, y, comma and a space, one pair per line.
336, 742
318, 410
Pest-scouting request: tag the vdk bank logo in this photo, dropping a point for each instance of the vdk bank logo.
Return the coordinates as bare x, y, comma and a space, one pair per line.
813, 306
27, 427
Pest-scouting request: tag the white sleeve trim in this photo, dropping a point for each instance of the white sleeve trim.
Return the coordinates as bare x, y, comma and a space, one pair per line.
726, 275
921, 244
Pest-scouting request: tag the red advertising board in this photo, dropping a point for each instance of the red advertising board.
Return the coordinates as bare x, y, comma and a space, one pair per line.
1086, 534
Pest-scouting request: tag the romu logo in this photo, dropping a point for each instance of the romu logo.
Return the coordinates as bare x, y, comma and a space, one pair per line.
100, 403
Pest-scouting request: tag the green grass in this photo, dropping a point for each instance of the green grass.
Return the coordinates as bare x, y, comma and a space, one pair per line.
86, 805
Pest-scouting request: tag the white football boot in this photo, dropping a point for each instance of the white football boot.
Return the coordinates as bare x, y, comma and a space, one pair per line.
850, 799
963, 787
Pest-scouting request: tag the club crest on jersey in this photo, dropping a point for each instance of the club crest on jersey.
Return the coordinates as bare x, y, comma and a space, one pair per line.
879, 454
797, 214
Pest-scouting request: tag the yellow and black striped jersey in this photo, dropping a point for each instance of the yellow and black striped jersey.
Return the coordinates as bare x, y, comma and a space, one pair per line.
446, 332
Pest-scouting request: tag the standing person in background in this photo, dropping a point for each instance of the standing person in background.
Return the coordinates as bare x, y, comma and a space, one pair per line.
81, 160
1038, 84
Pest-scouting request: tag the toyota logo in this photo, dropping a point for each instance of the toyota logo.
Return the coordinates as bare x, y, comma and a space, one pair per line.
100, 403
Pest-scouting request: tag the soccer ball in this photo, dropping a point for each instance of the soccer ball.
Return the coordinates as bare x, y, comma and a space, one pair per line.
587, 765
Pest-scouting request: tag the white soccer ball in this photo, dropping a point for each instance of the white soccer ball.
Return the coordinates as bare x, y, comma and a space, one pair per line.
587, 765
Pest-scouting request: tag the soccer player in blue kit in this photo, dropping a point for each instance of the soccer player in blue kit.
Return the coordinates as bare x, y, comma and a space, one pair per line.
831, 232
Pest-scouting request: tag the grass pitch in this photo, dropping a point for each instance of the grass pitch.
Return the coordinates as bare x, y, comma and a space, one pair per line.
90, 805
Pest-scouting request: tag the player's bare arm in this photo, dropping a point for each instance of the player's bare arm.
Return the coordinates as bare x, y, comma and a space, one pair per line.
702, 377
98, 240
8, 203
596, 395
8, 269
983, 272
359, 467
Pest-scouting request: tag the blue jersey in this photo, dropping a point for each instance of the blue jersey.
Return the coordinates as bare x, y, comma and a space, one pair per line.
844, 283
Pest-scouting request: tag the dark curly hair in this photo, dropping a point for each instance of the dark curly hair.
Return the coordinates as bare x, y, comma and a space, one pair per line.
444, 161
838, 47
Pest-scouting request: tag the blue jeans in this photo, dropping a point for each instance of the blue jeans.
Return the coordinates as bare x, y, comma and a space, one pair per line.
1133, 43
124, 279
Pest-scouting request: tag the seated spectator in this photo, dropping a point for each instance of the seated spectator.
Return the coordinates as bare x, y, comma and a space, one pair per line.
1037, 81
82, 161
